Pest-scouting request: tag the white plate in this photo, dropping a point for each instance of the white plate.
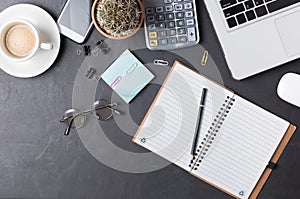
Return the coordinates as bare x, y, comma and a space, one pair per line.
49, 32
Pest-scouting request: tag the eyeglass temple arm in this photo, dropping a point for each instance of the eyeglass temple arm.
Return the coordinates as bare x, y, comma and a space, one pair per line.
109, 106
67, 131
115, 110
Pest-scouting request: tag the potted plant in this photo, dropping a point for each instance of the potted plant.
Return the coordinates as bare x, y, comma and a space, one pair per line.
118, 19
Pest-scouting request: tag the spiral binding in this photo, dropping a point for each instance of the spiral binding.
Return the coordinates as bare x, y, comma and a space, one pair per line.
212, 133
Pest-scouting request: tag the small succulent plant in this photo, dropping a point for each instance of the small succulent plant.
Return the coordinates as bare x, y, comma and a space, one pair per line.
118, 18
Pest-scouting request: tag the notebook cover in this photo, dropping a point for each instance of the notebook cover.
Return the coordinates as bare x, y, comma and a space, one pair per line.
290, 131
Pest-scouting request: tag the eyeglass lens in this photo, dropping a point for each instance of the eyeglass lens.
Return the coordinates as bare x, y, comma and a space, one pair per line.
75, 118
103, 110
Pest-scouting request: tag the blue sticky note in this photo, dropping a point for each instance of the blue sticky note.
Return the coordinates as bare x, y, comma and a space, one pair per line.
127, 76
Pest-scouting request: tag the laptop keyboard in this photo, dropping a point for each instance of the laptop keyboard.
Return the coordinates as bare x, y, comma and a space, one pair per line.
240, 12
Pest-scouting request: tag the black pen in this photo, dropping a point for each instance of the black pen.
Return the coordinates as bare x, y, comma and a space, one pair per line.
199, 119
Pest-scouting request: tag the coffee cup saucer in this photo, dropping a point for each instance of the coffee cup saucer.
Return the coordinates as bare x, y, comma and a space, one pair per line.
49, 32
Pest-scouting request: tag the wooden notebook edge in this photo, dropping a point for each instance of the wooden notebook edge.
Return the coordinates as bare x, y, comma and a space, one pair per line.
263, 179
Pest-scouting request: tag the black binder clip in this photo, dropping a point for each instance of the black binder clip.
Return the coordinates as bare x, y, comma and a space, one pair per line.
91, 74
86, 50
100, 47
272, 165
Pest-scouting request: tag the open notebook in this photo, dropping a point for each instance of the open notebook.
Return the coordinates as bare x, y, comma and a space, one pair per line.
237, 138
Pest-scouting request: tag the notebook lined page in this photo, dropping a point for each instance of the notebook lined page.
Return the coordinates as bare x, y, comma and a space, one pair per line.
169, 128
250, 136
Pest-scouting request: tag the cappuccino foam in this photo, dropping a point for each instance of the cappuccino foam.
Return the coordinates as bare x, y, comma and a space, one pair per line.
20, 40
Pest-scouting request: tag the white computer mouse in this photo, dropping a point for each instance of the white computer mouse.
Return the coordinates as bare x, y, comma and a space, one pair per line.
289, 88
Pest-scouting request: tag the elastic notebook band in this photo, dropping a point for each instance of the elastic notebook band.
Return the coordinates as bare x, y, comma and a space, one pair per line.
272, 165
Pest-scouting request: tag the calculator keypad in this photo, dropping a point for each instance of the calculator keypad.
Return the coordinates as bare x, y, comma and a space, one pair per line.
170, 24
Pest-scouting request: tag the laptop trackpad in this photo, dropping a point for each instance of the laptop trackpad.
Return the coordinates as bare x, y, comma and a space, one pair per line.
289, 32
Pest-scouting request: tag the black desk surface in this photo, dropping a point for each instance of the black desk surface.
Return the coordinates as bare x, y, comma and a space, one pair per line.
37, 161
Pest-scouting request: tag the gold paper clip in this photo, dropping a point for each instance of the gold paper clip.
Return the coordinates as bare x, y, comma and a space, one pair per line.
204, 58
161, 62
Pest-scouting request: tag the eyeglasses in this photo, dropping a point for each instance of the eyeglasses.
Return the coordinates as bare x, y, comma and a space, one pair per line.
74, 118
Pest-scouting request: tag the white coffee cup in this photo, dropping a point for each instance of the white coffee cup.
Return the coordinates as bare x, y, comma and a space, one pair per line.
20, 40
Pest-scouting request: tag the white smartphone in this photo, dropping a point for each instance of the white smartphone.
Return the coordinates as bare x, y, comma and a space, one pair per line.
75, 19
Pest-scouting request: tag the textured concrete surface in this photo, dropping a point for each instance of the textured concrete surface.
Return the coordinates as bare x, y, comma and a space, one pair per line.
37, 161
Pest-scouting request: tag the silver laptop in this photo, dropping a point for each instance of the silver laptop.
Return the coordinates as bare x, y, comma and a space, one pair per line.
256, 35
